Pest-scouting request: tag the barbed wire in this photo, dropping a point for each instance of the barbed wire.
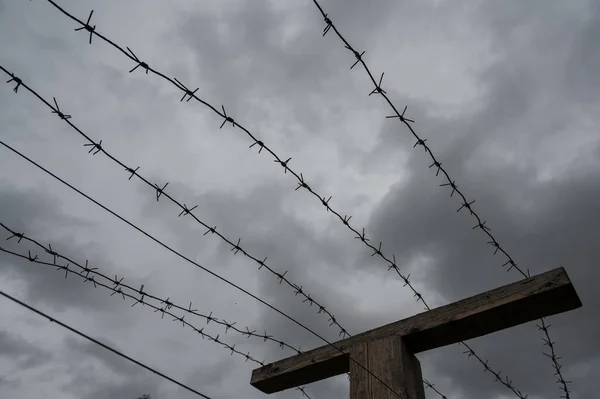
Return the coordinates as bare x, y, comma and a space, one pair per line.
189, 94
164, 310
95, 341
302, 183
98, 147
187, 259
118, 286
451, 183
160, 191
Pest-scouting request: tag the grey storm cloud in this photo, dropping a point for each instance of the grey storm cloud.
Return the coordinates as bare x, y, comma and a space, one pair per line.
517, 128
26, 356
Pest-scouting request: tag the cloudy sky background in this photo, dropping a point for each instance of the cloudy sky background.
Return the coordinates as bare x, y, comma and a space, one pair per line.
505, 92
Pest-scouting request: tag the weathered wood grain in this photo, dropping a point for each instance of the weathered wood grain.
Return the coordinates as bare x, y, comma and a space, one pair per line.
390, 360
513, 304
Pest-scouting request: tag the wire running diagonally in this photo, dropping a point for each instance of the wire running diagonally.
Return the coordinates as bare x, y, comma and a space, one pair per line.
302, 183
117, 285
187, 259
141, 295
160, 190
125, 295
98, 147
189, 94
465, 204
95, 341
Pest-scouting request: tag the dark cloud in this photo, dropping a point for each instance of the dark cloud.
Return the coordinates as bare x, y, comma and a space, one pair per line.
525, 147
543, 223
31, 212
93, 366
259, 53
20, 351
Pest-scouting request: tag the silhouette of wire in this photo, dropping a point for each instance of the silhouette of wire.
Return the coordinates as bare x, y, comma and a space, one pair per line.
239, 288
166, 304
160, 191
117, 285
465, 204
189, 94
95, 341
141, 295
96, 147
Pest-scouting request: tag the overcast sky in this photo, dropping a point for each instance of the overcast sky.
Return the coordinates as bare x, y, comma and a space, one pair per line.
506, 92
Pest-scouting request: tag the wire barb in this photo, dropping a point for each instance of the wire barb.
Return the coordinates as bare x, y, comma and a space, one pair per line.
139, 63
140, 296
357, 55
228, 119
378, 89
160, 191
18, 82
401, 116
188, 93
261, 145
187, 211
96, 147
88, 27
58, 112
236, 248
303, 184
283, 163
328, 25
132, 171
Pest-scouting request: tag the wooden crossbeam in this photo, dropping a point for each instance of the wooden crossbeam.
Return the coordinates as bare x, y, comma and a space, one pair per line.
513, 304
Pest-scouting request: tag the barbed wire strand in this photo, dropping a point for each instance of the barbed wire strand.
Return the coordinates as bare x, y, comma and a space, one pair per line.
302, 183
160, 191
117, 286
95, 341
98, 147
465, 204
187, 259
189, 94
164, 309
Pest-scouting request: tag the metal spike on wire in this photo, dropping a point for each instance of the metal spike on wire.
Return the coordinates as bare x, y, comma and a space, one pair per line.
88, 27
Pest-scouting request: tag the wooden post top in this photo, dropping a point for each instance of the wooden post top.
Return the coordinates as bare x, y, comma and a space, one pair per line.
513, 304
